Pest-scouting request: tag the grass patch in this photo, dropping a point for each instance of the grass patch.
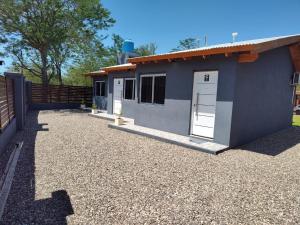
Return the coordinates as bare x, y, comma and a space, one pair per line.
296, 120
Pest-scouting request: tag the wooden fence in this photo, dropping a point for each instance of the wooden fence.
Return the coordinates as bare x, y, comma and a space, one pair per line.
61, 94
7, 107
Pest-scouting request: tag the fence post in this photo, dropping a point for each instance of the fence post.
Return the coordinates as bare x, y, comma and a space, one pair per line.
29, 93
18, 98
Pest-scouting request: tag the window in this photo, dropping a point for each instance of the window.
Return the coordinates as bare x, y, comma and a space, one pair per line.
129, 91
100, 88
159, 89
146, 89
153, 88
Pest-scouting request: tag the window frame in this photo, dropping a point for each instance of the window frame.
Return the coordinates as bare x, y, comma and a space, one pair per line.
100, 87
153, 83
134, 87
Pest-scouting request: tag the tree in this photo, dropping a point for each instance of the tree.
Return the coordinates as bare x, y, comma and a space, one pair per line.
98, 56
92, 60
185, 44
43, 30
147, 49
113, 51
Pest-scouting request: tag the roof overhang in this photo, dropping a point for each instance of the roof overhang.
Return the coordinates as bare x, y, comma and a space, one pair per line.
295, 55
105, 70
122, 67
96, 73
245, 52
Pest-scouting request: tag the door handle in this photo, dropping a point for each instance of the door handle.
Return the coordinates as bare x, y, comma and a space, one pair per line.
197, 105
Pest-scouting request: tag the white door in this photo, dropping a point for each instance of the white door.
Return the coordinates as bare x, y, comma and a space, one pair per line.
204, 103
117, 96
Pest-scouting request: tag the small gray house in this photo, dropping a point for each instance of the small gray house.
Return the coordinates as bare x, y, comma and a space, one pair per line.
229, 94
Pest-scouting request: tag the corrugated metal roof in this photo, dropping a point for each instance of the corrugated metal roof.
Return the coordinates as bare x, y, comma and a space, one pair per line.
95, 73
235, 44
121, 67
239, 46
98, 71
118, 66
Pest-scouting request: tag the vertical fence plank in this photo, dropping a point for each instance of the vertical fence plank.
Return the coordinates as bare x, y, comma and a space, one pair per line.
7, 107
68, 94
7, 102
61, 94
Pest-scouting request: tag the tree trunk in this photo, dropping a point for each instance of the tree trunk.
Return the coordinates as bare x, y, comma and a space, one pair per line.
44, 75
58, 71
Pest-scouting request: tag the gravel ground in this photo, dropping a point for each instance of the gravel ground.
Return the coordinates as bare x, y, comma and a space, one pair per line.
75, 170
4, 157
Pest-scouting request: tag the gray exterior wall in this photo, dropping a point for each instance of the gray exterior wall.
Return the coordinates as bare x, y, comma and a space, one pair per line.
100, 101
253, 99
7, 134
18, 122
263, 97
128, 109
175, 115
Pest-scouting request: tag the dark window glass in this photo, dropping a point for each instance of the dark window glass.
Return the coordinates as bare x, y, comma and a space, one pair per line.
129, 89
146, 89
159, 89
102, 89
97, 88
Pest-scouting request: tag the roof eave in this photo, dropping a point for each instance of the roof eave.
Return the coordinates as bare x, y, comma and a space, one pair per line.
93, 74
116, 69
190, 54
252, 49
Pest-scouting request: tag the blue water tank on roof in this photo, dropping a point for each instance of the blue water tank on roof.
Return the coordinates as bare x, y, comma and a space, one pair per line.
128, 46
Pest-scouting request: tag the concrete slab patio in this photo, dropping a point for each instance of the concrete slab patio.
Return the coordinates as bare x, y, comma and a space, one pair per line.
73, 169
202, 145
185, 141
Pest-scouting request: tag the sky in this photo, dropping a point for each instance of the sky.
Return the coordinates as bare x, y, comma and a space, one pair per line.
165, 22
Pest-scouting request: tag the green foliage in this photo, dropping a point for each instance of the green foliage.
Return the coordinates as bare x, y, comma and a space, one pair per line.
117, 43
92, 60
296, 120
97, 57
44, 34
147, 49
185, 44
75, 74
30, 76
94, 106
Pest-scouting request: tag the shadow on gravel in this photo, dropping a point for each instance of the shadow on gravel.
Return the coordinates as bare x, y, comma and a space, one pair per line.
275, 144
21, 206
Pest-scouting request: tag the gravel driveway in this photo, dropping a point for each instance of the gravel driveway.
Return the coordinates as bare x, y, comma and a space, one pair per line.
75, 170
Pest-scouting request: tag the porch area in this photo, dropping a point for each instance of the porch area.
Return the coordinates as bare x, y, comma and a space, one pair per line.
186, 141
